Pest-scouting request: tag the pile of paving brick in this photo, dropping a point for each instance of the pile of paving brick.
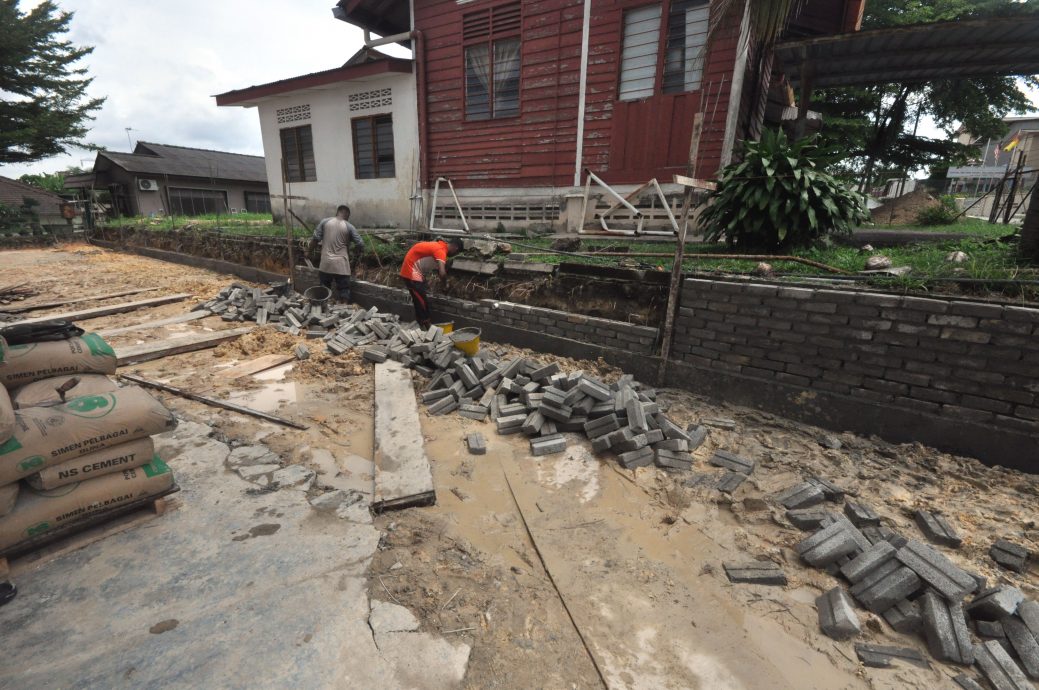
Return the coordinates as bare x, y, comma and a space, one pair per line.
913, 586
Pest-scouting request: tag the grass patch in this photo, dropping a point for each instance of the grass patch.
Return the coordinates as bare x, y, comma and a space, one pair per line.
965, 226
210, 221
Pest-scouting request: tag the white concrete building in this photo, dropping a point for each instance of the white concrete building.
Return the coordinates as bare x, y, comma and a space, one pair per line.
346, 135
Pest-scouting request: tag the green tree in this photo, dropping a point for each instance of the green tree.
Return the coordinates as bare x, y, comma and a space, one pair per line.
876, 125
52, 182
44, 107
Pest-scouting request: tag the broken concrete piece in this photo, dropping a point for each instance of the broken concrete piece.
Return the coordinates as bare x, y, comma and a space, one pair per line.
937, 529
995, 603
258, 474
945, 627
731, 461
293, 477
720, 423
880, 656
335, 500
951, 581
1010, 555
385, 617
804, 495
998, 668
904, 617
250, 456
837, 617
861, 515
476, 443
755, 573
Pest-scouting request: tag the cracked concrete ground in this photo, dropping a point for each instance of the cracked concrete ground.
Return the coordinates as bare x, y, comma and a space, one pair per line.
246, 588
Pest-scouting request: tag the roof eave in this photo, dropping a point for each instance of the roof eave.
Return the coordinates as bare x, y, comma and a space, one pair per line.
251, 95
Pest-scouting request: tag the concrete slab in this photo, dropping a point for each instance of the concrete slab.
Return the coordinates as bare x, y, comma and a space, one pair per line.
402, 474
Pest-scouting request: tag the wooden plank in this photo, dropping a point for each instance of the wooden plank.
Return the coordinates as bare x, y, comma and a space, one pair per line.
695, 183
183, 318
254, 366
85, 314
402, 474
64, 303
158, 349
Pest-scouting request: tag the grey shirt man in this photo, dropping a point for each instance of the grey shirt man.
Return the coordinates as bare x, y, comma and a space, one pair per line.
335, 236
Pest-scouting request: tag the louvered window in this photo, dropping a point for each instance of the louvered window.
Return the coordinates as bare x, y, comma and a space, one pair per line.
639, 53
684, 44
492, 62
297, 150
373, 147
687, 25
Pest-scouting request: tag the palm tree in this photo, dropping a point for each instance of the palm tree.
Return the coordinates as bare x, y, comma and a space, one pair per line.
768, 18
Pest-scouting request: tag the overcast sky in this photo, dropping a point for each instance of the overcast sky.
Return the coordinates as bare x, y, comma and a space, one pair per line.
159, 63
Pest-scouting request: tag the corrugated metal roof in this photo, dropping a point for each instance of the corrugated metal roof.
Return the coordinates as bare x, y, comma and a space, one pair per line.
922, 52
13, 193
158, 159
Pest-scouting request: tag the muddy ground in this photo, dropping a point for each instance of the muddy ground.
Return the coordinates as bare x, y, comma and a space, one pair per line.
568, 571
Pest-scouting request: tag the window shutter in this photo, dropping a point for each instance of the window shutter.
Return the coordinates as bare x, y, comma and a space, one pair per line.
639, 53
688, 24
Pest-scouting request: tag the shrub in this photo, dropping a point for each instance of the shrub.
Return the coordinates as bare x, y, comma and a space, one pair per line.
945, 212
777, 198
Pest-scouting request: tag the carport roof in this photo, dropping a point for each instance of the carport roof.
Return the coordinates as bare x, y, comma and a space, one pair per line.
922, 52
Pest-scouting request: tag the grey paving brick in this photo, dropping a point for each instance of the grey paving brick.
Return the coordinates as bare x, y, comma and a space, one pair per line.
831, 491
548, 445
861, 515
755, 573
697, 435
595, 428
654, 436
998, 668
675, 444
532, 425
995, 603
804, 495
1010, 555
476, 443
886, 586
937, 529
601, 444
1029, 612
643, 457
543, 373
990, 630
671, 430
375, 354
731, 481
1025, 644
876, 534
594, 389
881, 656
443, 406
636, 442
951, 581
966, 682
837, 618
511, 424
868, 561
731, 461
904, 617
808, 518
636, 416
831, 543
945, 628
477, 412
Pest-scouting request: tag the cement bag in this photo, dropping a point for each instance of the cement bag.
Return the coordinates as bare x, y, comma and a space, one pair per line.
24, 364
8, 495
39, 512
45, 392
114, 459
48, 436
6, 416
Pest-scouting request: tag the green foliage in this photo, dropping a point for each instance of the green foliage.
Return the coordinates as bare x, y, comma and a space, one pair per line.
52, 182
45, 108
875, 125
777, 197
19, 217
944, 212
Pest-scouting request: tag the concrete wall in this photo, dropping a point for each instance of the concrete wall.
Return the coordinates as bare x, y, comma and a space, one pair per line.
381, 202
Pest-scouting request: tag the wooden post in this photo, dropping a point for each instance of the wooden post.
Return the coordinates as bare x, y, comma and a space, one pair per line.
288, 225
1012, 195
676, 269
1029, 246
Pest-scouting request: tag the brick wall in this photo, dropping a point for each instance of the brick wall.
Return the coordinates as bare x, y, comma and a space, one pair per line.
617, 335
957, 360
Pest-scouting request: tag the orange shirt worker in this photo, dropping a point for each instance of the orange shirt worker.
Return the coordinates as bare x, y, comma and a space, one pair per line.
420, 261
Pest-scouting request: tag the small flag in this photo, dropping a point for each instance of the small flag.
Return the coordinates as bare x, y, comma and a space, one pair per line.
1013, 142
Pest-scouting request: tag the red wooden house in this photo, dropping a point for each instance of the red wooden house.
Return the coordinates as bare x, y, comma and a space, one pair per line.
517, 99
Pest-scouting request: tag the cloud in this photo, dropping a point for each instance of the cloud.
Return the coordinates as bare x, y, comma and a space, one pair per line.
160, 63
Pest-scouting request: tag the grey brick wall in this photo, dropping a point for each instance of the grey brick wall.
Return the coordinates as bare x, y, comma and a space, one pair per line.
957, 359
600, 332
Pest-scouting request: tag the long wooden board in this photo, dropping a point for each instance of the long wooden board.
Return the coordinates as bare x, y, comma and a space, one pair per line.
254, 366
158, 349
403, 477
183, 318
79, 300
95, 312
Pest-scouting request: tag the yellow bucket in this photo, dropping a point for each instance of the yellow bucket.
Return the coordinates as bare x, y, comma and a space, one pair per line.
446, 327
467, 340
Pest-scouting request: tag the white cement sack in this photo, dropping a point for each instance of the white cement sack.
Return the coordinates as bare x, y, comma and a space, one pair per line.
8, 495
48, 436
88, 354
39, 512
45, 392
6, 416
107, 461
